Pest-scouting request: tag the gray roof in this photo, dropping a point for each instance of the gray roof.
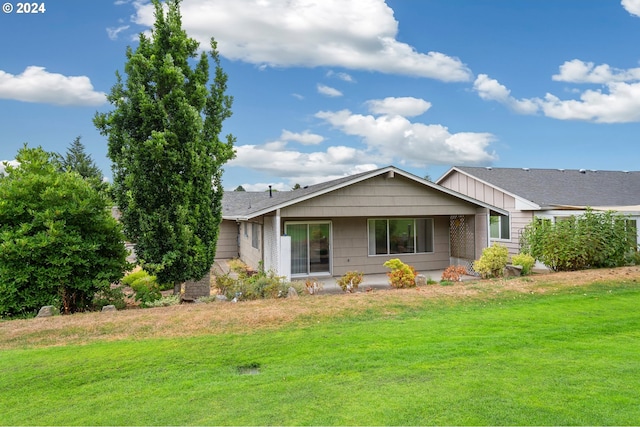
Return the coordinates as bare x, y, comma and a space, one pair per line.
247, 203
559, 187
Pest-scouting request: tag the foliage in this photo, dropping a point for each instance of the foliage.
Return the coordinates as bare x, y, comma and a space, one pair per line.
110, 296
249, 286
350, 281
446, 283
163, 139
453, 273
77, 160
239, 188
590, 240
167, 301
401, 274
146, 287
492, 261
525, 260
312, 286
59, 244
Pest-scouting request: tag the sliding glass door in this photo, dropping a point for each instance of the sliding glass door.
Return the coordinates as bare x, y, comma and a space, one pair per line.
310, 247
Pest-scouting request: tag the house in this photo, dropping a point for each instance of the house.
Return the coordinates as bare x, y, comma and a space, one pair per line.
354, 223
546, 193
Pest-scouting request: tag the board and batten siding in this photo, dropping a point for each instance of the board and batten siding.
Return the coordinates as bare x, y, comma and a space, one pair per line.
471, 187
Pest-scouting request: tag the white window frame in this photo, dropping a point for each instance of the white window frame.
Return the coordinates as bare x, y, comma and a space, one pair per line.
501, 218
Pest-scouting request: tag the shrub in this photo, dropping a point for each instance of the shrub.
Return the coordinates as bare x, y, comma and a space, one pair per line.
165, 301
145, 286
312, 286
591, 240
350, 281
59, 244
493, 261
250, 287
453, 273
110, 296
401, 274
525, 260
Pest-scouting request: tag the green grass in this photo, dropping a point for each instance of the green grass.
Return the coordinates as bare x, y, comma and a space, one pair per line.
566, 359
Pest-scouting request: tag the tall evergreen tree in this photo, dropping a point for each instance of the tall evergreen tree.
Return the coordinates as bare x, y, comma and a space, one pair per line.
77, 160
167, 154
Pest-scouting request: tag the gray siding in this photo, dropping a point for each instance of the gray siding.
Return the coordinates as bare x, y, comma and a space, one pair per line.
227, 246
486, 193
381, 197
248, 254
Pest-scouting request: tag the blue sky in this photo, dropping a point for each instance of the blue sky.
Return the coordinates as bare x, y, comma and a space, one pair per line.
325, 88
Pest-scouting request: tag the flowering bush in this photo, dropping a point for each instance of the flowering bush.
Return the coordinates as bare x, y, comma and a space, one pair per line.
401, 274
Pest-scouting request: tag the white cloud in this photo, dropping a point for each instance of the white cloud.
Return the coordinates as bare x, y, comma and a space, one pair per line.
354, 34
35, 84
113, 32
9, 162
302, 168
577, 71
305, 137
403, 106
297, 96
491, 90
328, 91
395, 137
620, 105
632, 6
342, 76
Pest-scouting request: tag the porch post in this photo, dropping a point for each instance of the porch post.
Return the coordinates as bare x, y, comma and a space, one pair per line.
482, 230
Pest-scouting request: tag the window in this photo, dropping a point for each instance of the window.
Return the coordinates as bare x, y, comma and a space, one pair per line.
255, 236
400, 236
499, 227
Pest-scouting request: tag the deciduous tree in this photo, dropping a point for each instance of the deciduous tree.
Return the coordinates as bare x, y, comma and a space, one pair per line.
167, 155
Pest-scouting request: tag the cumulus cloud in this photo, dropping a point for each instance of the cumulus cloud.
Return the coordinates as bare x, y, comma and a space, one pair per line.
403, 106
395, 137
302, 168
632, 6
618, 102
491, 90
355, 34
328, 91
36, 84
306, 137
577, 71
620, 105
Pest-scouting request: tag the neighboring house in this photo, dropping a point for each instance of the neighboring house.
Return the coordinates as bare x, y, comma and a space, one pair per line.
354, 223
547, 193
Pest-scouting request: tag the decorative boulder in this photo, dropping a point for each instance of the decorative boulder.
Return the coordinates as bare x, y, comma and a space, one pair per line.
421, 280
292, 293
48, 311
108, 308
513, 271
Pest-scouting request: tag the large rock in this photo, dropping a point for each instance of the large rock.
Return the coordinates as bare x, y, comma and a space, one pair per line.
421, 280
108, 308
48, 311
292, 293
513, 271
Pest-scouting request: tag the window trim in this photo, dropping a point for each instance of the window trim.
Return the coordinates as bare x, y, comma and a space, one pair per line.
432, 244
500, 227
